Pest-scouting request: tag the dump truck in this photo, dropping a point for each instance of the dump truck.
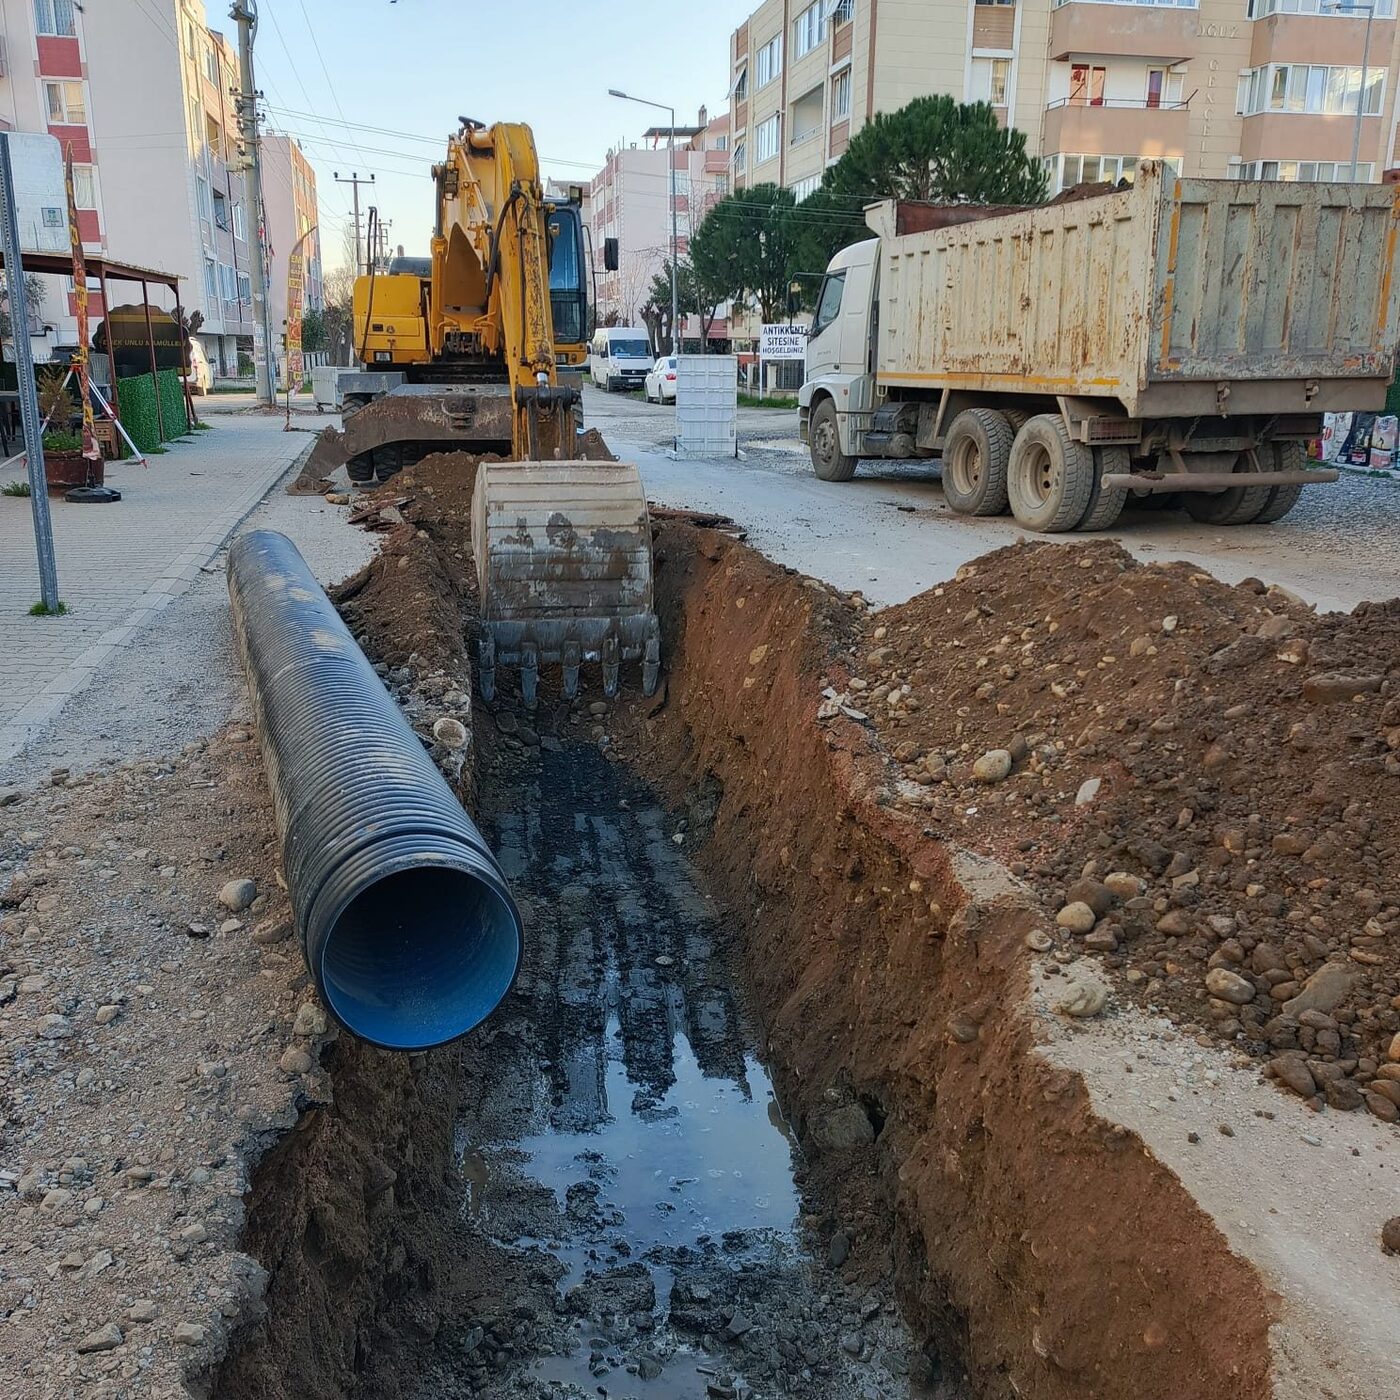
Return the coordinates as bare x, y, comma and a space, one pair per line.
1176, 336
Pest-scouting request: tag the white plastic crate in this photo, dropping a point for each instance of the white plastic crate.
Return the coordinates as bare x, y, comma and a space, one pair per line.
707, 406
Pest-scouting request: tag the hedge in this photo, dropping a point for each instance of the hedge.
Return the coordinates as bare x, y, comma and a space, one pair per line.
138, 408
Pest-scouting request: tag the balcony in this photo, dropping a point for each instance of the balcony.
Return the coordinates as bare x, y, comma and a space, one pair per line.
1116, 127
1121, 28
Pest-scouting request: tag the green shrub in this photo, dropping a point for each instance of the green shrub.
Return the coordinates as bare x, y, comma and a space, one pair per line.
63, 442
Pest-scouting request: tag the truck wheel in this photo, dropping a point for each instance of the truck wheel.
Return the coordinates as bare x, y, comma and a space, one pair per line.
1017, 417
1050, 478
360, 468
1288, 457
1105, 507
974, 462
1237, 505
828, 460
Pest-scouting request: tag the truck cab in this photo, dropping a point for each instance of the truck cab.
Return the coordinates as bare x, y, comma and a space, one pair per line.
838, 394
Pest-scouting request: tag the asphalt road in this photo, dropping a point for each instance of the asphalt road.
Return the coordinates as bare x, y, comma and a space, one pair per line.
890, 534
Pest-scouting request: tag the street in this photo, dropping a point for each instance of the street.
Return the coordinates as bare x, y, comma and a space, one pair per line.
889, 533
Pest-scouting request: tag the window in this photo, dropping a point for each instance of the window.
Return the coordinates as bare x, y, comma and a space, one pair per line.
221, 210
740, 90
1337, 9
211, 286
213, 136
1086, 84
245, 287
770, 60
228, 283
1305, 170
84, 187
839, 11
802, 188
54, 17
991, 80
1065, 171
191, 47
201, 195
739, 159
829, 301
240, 227
1175, 4
66, 104
766, 136
211, 64
841, 96
996, 2
1312, 88
808, 29
1164, 87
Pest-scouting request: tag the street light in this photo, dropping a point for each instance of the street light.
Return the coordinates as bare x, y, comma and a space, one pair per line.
1348, 7
675, 241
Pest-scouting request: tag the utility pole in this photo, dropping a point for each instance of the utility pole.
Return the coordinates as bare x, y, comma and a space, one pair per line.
356, 181
244, 13
28, 392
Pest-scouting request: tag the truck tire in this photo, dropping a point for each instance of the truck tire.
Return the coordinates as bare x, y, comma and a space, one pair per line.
1105, 507
828, 460
1288, 457
1236, 506
1017, 417
1050, 478
975, 457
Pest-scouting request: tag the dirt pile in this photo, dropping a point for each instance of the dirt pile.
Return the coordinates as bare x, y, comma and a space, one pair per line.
1205, 780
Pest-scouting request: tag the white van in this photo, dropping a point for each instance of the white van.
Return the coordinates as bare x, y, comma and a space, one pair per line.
619, 357
201, 376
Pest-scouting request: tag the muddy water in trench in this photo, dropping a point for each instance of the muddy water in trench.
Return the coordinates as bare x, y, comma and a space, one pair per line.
629, 1136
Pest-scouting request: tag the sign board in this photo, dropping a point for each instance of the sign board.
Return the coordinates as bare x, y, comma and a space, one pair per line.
783, 343
296, 286
41, 202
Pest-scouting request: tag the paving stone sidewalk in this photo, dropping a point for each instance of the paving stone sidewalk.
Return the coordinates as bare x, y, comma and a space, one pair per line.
120, 565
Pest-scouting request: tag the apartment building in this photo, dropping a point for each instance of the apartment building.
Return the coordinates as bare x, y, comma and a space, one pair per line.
1255, 88
143, 92
289, 196
630, 200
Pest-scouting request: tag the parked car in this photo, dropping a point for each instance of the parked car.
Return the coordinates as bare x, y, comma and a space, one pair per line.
619, 357
201, 377
660, 383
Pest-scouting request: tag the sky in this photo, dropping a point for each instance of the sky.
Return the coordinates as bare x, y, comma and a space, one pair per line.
375, 86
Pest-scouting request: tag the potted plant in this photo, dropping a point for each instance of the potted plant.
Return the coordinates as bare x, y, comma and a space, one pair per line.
64, 463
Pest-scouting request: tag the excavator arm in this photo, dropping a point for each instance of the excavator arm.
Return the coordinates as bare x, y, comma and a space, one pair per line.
491, 261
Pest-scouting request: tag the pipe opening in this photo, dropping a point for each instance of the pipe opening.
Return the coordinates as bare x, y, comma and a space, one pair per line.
420, 957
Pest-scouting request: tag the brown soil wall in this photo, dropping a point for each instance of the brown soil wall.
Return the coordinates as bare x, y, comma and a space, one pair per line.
1044, 1249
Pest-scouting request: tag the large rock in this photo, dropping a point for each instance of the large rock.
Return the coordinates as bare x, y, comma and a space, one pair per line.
1229, 986
1329, 687
1294, 1074
1324, 991
843, 1129
993, 767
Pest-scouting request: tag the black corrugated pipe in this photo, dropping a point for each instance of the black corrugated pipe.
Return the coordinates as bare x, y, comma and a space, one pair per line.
407, 925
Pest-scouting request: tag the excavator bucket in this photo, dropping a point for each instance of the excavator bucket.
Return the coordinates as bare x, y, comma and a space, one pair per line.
563, 557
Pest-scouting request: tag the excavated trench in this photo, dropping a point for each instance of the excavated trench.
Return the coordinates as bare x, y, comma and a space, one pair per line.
764, 1114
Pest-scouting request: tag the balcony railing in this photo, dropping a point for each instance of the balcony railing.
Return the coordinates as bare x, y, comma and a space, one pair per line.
806, 134
1135, 104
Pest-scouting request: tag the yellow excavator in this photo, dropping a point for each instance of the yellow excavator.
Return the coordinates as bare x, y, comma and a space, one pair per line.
479, 348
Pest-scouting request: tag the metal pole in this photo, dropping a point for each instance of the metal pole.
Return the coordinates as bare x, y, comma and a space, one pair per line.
675, 240
244, 13
1361, 91
155, 373
361, 266
111, 354
28, 392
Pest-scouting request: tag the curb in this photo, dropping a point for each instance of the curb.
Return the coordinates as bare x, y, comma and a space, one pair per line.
33, 717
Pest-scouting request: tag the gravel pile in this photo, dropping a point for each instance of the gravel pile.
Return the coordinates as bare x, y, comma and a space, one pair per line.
157, 1035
